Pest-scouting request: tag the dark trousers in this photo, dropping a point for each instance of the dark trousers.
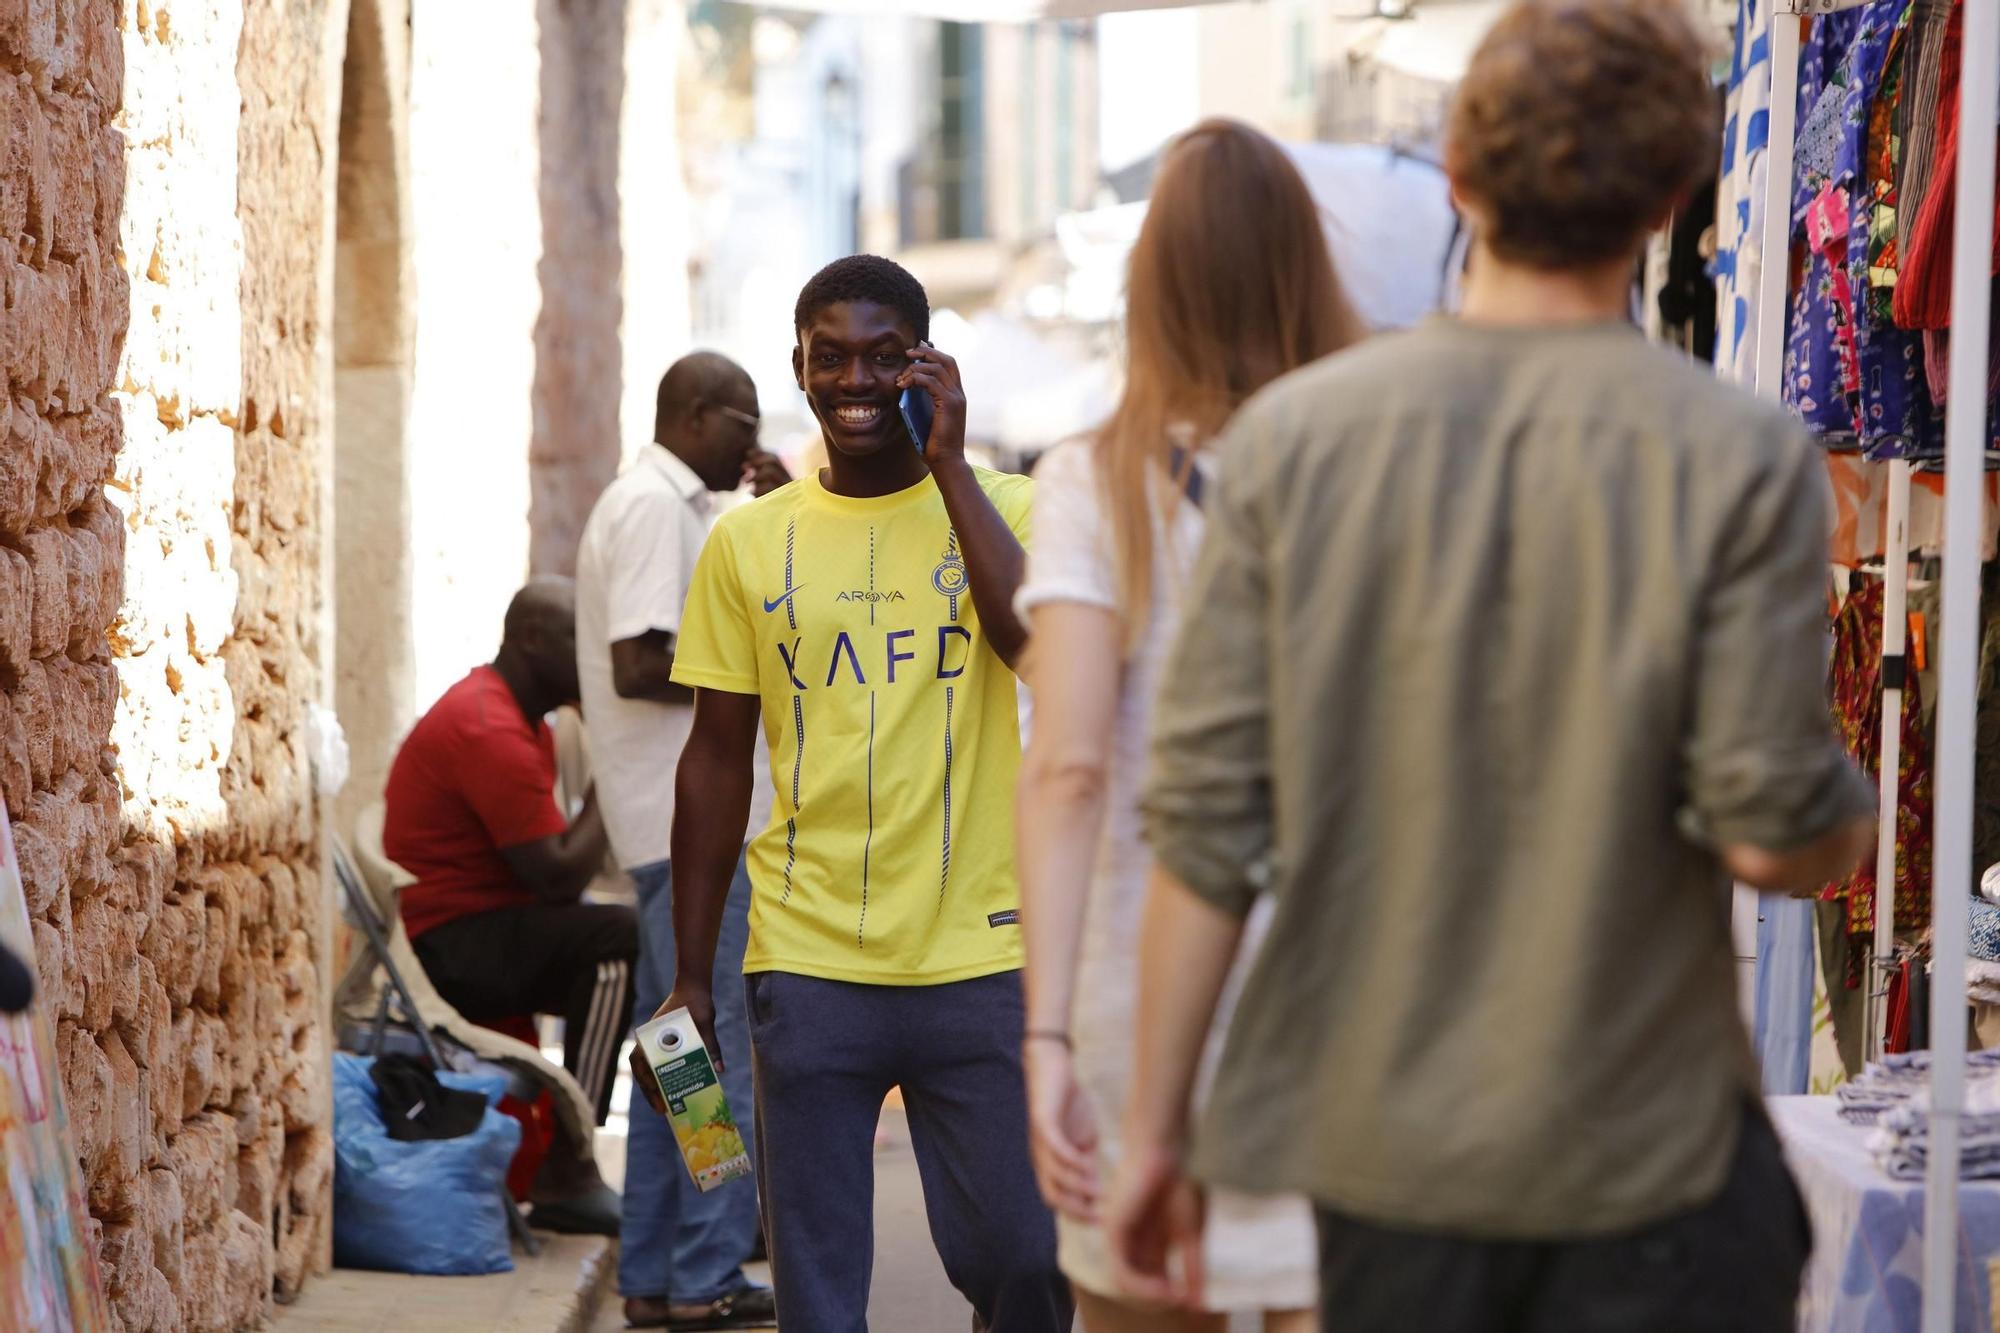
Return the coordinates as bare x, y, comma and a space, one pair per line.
574, 960
1731, 1266
825, 1055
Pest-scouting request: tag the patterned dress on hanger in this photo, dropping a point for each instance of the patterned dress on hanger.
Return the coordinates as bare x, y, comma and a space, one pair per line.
1856, 685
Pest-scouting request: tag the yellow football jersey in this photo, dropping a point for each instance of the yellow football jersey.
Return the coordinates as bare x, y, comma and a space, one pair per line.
892, 725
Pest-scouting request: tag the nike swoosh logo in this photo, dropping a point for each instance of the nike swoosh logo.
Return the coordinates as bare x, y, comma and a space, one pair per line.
773, 603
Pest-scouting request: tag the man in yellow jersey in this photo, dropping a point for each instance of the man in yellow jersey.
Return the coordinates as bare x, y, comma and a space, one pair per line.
864, 612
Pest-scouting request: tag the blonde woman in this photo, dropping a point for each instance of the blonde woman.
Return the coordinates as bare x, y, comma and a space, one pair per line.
1231, 286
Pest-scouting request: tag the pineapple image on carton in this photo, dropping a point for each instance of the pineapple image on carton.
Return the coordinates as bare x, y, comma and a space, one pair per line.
711, 1144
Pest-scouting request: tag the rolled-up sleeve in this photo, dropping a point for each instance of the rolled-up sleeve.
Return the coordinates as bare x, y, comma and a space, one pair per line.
1207, 798
1764, 767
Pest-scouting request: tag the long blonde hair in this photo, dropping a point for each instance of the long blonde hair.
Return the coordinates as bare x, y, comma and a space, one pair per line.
1230, 287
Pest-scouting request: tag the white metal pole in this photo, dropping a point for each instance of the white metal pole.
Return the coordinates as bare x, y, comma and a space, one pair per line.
1964, 491
1776, 242
1771, 311
1895, 635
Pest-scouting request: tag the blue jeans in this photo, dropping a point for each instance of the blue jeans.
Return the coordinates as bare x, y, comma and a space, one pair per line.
675, 1242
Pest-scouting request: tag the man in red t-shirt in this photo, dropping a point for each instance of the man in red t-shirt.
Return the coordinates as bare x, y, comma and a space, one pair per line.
495, 915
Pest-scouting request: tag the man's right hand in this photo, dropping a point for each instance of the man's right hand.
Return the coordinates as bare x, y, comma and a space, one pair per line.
765, 472
699, 1001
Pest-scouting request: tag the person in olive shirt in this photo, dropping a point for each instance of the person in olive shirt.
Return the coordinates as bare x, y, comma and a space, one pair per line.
1505, 652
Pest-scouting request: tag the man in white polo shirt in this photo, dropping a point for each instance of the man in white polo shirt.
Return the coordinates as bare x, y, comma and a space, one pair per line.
681, 1251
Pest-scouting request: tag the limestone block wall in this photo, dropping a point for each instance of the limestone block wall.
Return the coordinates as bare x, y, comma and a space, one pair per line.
160, 229
288, 75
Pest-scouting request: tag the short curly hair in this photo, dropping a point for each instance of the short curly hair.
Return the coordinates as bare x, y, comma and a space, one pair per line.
865, 278
1579, 125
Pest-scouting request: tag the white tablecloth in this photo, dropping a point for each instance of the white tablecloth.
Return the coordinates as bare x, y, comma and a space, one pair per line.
1866, 1273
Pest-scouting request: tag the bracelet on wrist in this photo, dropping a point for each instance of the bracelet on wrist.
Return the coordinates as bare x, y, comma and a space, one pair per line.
1056, 1035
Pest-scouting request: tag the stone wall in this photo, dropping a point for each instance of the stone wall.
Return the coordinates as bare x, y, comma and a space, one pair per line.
288, 72
157, 648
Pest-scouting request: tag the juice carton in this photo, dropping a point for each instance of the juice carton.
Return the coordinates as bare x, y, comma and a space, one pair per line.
711, 1145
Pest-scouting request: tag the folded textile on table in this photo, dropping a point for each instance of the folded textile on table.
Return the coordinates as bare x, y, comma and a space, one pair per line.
1982, 938
1897, 1080
1900, 1141
1900, 1145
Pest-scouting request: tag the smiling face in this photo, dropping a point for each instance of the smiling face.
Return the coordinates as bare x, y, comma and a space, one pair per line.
847, 362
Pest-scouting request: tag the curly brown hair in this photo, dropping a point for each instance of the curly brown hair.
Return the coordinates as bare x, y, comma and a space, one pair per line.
1579, 125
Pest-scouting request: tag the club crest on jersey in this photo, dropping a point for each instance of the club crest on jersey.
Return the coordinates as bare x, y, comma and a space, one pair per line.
949, 577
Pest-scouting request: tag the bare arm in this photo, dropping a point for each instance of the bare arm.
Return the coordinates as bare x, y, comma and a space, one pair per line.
1186, 945
1061, 801
712, 789
994, 562
558, 869
643, 668
1061, 804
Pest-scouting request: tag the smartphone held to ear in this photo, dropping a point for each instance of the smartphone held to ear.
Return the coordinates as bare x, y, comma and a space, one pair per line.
917, 413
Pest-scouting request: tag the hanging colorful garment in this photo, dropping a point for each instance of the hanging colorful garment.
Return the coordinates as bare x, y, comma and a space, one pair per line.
1830, 305
1856, 382
1986, 742
1937, 362
1821, 108
1916, 115
1855, 679
1822, 369
1896, 417
1883, 160
1923, 291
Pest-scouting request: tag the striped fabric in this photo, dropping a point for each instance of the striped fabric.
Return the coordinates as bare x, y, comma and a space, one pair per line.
603, 1030
1930, 21
1739, 261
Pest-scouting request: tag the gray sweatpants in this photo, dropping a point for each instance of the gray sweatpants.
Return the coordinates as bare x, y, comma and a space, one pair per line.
825, 1055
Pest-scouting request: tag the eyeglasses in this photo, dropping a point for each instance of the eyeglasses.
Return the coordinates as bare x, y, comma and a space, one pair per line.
742, 418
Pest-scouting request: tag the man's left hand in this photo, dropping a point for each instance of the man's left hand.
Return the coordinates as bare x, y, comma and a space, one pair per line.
933, 372
1154, 1223
765, 472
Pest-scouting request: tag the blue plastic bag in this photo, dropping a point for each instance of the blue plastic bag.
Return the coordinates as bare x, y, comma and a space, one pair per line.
427, 1207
